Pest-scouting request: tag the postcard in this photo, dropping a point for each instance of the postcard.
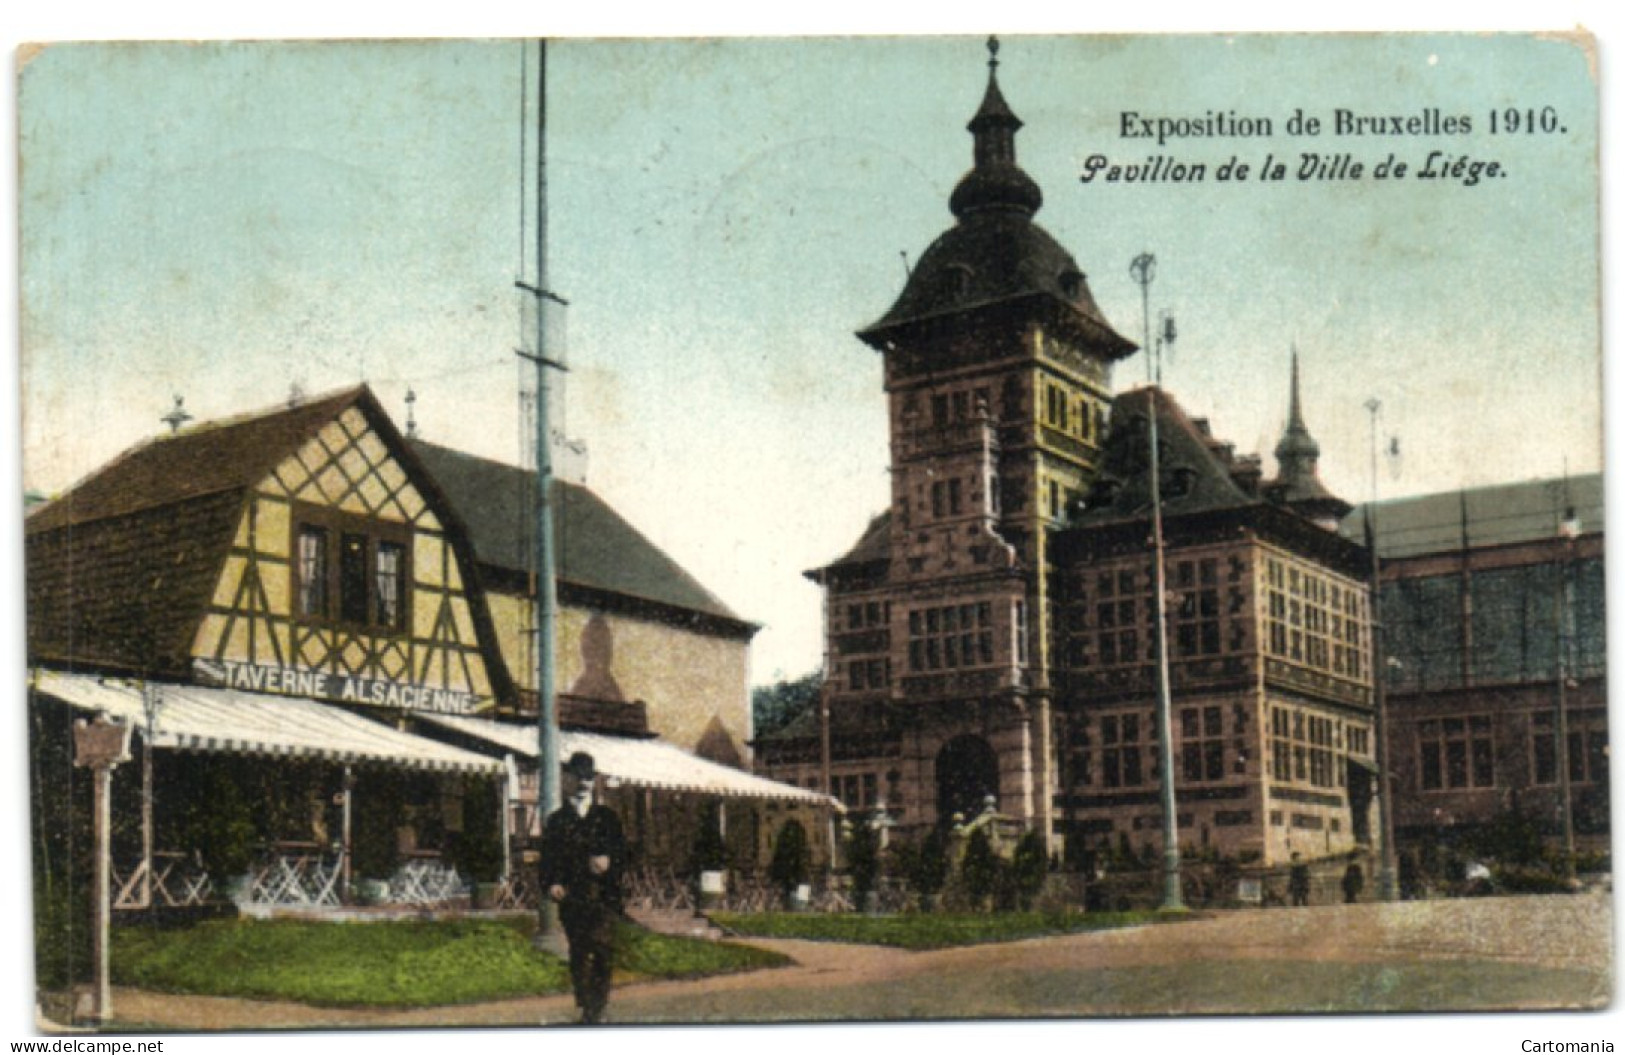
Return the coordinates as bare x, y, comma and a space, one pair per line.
808, 530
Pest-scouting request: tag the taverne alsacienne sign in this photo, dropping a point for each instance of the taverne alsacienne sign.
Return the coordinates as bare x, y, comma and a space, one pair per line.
321, 684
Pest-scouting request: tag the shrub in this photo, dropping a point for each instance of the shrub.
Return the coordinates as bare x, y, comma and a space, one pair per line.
863, 858
979, 871
1028, 868
374, 841
1510, 838
1527, 881
927, 867
788, 867
219, 825
710, 850
476, 851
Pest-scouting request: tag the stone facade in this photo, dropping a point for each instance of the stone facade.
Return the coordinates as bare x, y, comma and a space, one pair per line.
989, 638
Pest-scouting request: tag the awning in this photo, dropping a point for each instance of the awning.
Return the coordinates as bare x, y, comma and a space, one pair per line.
642, 763
193, 718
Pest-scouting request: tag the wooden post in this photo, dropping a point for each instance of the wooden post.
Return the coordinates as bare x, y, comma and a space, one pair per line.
101, 745
510, 792
346, 804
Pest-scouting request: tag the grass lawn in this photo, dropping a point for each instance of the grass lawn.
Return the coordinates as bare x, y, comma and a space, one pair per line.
393, 964
926, 930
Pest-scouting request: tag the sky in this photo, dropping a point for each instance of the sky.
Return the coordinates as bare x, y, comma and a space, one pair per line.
222, 222
362, 222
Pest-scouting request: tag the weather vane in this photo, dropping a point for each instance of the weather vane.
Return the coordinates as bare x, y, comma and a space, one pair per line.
177, 417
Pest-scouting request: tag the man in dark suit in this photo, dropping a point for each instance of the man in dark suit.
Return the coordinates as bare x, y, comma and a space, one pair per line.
583, 854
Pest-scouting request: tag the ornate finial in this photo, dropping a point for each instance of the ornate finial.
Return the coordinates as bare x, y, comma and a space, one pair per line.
995, 181
411, 421
176, 417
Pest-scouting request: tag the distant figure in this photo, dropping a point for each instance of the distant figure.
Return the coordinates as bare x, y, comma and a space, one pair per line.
1298, 881
1353, 883
583, 853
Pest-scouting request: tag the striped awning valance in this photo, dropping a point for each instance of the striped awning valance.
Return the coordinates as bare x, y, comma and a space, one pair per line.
194, 718
642, 763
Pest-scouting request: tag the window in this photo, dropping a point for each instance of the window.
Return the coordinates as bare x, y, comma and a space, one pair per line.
1456, 753
1123, 603
1313, 619
1301, 748
1196, 616
855, 790
868, 674
1201, 731
950, 637
1121, 755
312, 571
390, 568
367, 584
1056, 404
353, 578
1588, 746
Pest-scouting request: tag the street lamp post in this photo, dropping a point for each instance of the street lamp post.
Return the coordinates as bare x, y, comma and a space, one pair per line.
1568, 527
1387, 875
1143, 269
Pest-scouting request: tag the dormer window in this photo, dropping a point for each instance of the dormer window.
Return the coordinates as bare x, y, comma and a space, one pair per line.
957, 278
1071, 284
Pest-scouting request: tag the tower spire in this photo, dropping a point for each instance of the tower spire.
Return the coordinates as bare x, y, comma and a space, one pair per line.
1297, 481
1298, 453
995, 181
1295, 414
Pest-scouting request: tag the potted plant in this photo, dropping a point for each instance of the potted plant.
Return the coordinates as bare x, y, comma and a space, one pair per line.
710, 860
476, 851
863, 859
788, 868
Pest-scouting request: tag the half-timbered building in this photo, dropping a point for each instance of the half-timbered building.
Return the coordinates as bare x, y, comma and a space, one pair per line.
246, 593
316, 648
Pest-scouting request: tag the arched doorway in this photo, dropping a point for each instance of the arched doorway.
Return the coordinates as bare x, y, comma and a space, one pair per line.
967, 773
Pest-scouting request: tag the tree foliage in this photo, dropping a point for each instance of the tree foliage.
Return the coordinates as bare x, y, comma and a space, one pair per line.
777, 705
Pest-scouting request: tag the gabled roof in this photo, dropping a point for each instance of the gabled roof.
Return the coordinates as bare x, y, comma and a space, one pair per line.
872, 547
1498, 515
1195, 479
1201, 492
121, 566
207, 459
127, 592
597, 548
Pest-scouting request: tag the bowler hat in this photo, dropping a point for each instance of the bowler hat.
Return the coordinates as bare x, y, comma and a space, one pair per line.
581, 766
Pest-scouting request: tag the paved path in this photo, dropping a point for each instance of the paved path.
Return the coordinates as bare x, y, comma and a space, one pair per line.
1490, 953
